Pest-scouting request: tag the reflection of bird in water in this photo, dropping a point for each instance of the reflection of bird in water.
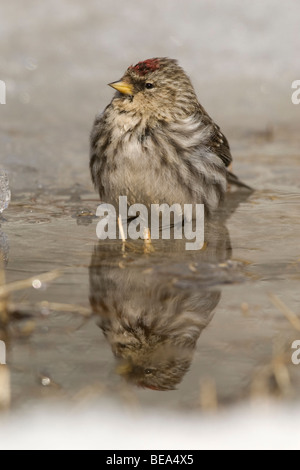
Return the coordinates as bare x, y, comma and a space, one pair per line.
153, 308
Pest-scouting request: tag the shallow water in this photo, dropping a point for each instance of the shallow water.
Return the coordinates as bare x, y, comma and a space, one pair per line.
202, 323
242, 66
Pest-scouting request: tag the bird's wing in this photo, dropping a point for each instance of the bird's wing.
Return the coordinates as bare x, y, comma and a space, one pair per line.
217, 140
219, 145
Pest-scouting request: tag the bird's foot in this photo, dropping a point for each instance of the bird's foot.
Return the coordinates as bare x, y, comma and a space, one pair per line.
122, 233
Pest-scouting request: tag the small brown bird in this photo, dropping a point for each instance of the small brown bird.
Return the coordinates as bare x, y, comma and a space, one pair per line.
155, 143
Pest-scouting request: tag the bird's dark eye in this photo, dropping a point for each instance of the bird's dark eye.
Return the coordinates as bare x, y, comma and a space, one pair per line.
149, 86
148, 371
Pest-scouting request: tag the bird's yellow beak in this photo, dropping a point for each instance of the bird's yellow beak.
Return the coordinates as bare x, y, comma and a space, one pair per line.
122, 87
124, 369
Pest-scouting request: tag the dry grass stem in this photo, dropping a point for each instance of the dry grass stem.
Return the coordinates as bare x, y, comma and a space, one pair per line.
289, 314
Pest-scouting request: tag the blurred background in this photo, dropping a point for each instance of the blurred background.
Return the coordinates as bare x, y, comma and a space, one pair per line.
56, 60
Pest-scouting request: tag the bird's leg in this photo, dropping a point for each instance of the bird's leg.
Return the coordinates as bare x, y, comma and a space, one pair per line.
121, 229
229, 168
147, 241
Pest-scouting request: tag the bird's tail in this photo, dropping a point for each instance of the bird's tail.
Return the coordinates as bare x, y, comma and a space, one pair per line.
234, 180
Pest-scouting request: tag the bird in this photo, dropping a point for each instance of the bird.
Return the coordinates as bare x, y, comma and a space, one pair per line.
156, 144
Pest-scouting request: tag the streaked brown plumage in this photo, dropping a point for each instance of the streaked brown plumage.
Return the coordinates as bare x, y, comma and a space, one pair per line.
155, 143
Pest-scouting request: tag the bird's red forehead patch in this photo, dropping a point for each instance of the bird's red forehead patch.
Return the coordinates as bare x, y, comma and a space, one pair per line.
143, 68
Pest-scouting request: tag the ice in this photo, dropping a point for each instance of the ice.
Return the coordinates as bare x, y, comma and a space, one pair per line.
265, 426
4, 248
5, 193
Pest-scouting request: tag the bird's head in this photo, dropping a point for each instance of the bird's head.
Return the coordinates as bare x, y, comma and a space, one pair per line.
157, 87
157, 367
